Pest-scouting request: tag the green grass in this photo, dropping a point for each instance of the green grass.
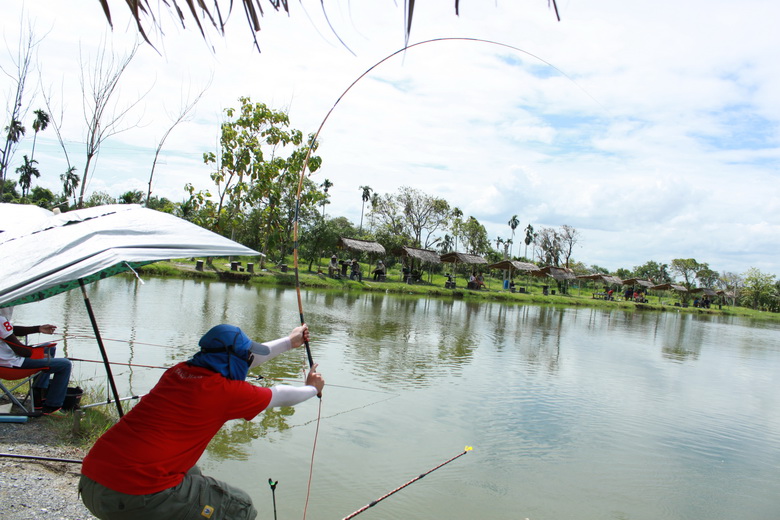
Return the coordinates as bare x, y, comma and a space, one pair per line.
273, 276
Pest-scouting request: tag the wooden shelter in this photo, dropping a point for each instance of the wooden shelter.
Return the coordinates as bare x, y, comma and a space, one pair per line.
637, 281
705, 291
424, 256
668, 287
361, 246
456, 258
514, 265
560, 274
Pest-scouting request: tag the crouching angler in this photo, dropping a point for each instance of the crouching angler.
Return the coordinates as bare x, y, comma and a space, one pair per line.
144, 467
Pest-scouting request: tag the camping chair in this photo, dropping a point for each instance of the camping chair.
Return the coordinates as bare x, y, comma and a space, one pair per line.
23, 376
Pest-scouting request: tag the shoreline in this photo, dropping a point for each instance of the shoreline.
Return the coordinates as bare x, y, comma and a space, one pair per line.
35, 489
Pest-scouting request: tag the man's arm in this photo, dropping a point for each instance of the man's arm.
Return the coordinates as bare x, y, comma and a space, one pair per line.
284, 395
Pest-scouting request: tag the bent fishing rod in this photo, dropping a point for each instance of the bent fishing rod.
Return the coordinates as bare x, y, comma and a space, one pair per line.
409, 483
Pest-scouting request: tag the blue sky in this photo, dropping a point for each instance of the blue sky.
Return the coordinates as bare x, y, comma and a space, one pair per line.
651, 128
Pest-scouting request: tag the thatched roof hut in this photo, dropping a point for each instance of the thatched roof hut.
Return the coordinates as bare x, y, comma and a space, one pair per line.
605, 278
425, 256
514, 265
705, 291
361, 246
558, 273
668, 287
462, 258
637, 281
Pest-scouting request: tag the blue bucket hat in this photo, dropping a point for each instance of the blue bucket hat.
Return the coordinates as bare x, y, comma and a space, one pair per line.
227, 350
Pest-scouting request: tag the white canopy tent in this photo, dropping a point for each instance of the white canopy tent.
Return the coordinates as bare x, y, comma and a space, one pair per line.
43, 253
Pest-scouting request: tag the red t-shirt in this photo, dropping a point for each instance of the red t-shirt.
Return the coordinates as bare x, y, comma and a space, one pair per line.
154, 445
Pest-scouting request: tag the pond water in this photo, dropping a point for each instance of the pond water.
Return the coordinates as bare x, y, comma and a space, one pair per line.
572, 413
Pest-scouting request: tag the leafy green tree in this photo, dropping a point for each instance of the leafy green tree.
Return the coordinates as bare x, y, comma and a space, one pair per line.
320, 236
9, 191
624, 274
257, 170
760, 290
706, 276
657, 272
687, 268
26, 173
455, 226
475, 237
43, 197
131, 197
597, 269
99, 198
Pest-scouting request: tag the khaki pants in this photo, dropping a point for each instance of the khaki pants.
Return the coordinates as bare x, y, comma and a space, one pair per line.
198, 497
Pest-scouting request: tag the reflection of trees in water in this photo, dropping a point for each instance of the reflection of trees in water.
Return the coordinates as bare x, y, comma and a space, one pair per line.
681, 341
543, 347
233, 440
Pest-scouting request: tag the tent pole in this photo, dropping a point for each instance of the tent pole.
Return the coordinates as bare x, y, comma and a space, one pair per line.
110, 375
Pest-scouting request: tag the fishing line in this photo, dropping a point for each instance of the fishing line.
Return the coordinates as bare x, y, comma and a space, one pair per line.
305, 167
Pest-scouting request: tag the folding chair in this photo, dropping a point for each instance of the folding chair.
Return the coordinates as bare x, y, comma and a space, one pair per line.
24, 376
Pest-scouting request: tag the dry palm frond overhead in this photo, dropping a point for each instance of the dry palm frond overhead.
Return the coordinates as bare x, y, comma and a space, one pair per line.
142, 12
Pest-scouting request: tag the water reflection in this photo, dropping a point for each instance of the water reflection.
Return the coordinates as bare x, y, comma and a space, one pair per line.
574, 413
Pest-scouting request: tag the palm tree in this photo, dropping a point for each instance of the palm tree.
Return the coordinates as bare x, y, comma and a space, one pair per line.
529, 237
366, 197
513, 223
70, 181
326, 185
26, 172
40, 123
456, 224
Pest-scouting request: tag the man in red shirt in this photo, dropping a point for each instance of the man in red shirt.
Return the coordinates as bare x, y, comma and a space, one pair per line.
144, 467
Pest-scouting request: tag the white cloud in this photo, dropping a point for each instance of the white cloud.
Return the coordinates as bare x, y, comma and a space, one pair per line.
652, 128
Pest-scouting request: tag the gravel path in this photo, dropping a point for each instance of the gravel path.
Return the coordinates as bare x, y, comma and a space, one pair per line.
31, 490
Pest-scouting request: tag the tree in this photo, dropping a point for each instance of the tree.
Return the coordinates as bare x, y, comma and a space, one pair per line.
759, 290
513, 223
366, 196
706, 276
326, 185
131, 197
687, 268
26, 172
103, 118
184, 114
731, 284
456, 225
475, 237
423, 214
530, 238
256, 176
17, 111
70, 181
569, 237
99, 198
549, 242
656, 272
41, 123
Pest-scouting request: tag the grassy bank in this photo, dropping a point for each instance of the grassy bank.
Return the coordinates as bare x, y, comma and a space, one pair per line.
433, 286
